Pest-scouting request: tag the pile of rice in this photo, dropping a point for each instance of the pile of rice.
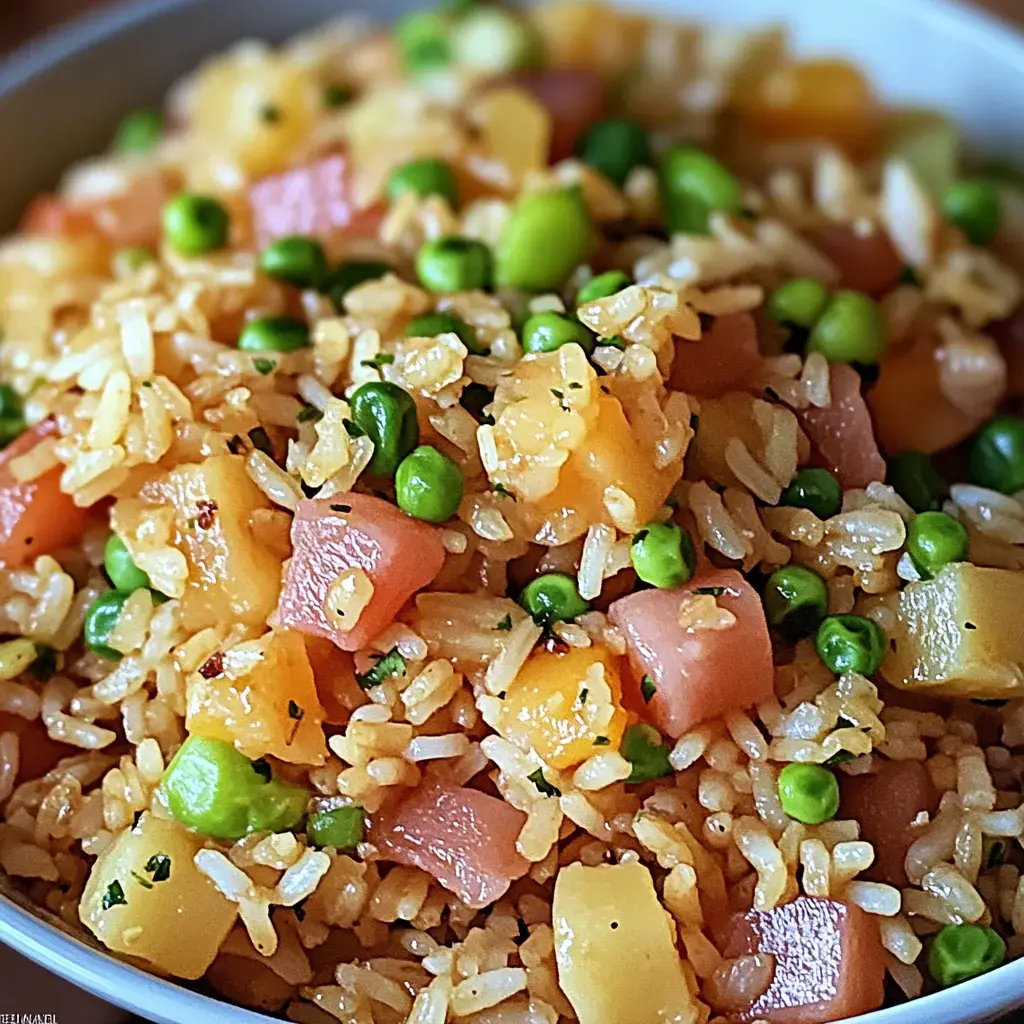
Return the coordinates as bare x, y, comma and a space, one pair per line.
138, 368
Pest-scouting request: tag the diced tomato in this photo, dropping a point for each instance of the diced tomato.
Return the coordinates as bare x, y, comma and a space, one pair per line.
36, 516
335, 677
867, 263
724, 359
828, 961
464, 838
909, 407
37, 753
698, 674
131, 217
575, 99
400, 555
1008, 334
315, 200
886, 803
843, 434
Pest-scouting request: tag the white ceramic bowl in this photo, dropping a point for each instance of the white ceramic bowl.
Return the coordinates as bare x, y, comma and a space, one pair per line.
59, 99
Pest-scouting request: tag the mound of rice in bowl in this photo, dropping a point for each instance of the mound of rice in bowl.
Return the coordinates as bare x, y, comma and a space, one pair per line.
516, 518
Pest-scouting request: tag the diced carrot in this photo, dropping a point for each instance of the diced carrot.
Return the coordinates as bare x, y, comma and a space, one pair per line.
886, 803
36, 516
1008, 334
131, 217
724, 359
315, 199
828, 961
37, 753
867, 263
398, 554
334, 673
464, 838
842, 432
908, 404
575, 99
697, 673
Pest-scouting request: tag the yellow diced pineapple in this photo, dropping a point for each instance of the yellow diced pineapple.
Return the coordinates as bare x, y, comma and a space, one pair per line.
959, 635
615, 948
145, 898
515, 130
232, 576
567, 707
264, 701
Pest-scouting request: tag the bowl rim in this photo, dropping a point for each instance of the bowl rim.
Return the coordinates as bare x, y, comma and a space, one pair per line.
166, 999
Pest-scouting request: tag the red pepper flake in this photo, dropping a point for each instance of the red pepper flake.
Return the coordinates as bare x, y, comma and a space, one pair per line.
206, 513
213, 666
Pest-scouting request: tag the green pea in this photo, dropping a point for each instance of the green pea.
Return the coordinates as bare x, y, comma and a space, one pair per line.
342, 828
850, 643
798, 303
274, 334
423, 41
973, 206
814, 489
348, 275
850, 330
100, 620
548, 235
428, 485
643, 747
132, 258
139, 132
600, 287
963, 951
12, 415
552, 598
549, 331
795, 601
426, 177
217, 791
995, 458
494, 40
809, 793
195, 224
693, 186
386, 414
454, 264
935, 539
121, 569
430, 325
913, 476
615, 147
296, 260
662, 555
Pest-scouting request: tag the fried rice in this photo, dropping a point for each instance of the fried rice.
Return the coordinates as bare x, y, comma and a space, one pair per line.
512, 855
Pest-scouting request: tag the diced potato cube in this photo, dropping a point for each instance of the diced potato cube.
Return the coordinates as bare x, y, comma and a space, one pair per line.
145, 898
232, 576
566, 706
959, 635
615, 948
264, 701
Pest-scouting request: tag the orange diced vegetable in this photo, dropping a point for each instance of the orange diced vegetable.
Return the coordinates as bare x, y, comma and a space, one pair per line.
36, 516
828, 961
867, 263
232, 575
566, 706
261, 697
842, 432
697, 672
335, 676
396, 554
724, 359
37, 753
464, 838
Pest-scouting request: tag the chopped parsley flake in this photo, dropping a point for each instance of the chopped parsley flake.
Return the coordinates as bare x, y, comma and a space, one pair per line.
336, 96
270, 113
710, 591
647, 689
503, 491
506, 624
159, 866
144, 882
601, 741
839, 757
114, 896
379, 360
263, 366
309, 414
391, 664
584, 694
261, 441
542, 784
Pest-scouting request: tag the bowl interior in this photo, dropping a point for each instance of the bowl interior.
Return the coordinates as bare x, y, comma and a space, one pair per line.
61, 97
